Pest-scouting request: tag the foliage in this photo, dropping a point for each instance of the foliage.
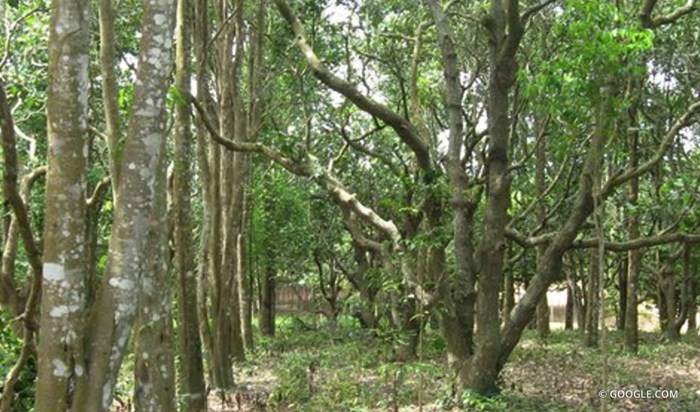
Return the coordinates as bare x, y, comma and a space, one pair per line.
10, 348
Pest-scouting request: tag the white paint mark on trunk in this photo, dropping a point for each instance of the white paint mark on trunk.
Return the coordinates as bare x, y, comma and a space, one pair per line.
53, 272
60, 368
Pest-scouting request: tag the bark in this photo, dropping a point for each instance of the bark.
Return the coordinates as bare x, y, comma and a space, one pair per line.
200, 40
254, 126
60, 350
110, 90
232, 124
268, 294
502, 49
154, 369
190, 367
12, 299
403, 128
570, 311
508, 294
692, 291
112, 316
19, 208
667, 286
457, 311
687, 292
221, 245
621, 315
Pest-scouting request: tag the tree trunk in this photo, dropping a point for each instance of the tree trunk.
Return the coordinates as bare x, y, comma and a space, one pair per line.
569, 314
543, 318
634, 257
576, 294
503, 67
60, 350
191, 371
692, 302
622, 300
154, 369
541, 213
268, 294
109, 326
590, 336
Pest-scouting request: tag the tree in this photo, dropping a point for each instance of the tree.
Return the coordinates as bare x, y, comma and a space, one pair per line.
60, 349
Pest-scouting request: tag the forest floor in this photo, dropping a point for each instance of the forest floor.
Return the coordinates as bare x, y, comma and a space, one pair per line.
317, 367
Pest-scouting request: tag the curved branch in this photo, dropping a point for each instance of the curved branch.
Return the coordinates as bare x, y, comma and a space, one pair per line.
289, 164
666, 142
10, 186
649, 22
403, 128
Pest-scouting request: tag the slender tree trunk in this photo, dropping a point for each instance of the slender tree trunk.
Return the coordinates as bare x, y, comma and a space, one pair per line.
110, 90
569, 314
541, 213
668, 292
61, 359
590, 336
634, 257
622, 300
268, 294
692, 302
204, 169
191, 370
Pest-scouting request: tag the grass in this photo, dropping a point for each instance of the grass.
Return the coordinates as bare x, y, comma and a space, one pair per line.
312, 366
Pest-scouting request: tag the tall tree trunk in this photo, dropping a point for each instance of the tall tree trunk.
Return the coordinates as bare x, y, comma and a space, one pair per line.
206, 175
504, 41
541, 213
457, 313
191, 370
111, 319
60, 349
634, 257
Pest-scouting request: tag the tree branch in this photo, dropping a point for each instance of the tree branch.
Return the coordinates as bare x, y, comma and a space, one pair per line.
403, 128
289, 164
10, 187
666, 142
647, 8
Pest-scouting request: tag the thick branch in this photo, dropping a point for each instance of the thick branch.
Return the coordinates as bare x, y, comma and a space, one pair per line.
403, 128
348, 200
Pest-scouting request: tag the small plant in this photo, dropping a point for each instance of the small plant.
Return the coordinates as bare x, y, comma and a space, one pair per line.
476, 402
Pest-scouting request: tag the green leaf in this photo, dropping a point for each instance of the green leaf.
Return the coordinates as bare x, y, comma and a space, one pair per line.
13, 3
